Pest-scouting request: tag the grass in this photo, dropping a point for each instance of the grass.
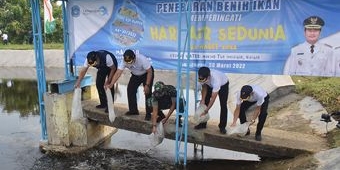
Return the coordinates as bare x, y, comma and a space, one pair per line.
324, 89
30, 46
327, 92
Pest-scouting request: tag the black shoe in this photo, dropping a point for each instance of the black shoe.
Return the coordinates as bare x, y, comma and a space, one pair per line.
147, 117
223, 131
131, 113
338, 125
248, 132
101, 106
201, 126
106, 110
258, 137
160, 117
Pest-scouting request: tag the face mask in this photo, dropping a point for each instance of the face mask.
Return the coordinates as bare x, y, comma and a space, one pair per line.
128, 60
92, 64
202, 80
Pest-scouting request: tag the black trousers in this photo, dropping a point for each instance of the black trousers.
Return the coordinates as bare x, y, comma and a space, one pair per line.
166, 104
223, 95
102, 73
262, 117
134, 83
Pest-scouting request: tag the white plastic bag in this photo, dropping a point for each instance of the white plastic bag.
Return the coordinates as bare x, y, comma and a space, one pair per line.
112, 115
197, 117
239, 129
77, 110
157, 137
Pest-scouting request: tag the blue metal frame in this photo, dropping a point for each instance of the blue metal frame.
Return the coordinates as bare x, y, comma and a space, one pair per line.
39, 59
66, 86
183, 56
68, 62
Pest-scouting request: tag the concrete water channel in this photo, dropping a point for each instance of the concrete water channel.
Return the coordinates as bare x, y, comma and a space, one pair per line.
122, 139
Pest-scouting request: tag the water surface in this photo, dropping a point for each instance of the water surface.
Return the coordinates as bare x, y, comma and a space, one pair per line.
20, 136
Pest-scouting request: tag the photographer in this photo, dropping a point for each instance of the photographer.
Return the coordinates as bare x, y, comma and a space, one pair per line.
327, 117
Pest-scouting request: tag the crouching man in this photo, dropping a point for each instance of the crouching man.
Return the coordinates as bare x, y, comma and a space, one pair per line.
163, 98
248, 96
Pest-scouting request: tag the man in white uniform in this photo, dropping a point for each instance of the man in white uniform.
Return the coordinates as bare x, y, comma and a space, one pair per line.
311, 58
141, 73
106, 64
214, 83
4, 38
248, 96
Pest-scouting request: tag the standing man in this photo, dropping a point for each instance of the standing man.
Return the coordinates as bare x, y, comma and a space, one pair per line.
214, 83
141, 73
248, 96
164, 97
106, 63
4, 38
311, 58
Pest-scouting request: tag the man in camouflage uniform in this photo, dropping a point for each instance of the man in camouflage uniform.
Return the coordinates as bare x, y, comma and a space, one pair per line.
163, 97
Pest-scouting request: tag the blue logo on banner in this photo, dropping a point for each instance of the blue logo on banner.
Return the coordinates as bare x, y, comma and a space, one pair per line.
75, 11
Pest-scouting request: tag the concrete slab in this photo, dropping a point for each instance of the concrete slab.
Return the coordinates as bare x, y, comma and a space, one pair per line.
275, 143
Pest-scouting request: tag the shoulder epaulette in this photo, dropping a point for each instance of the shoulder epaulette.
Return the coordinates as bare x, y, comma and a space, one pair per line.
328, 45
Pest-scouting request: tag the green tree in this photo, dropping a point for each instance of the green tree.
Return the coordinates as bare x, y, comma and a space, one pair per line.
16, 21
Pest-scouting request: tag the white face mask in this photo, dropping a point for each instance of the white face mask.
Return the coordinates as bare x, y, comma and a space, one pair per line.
202, 80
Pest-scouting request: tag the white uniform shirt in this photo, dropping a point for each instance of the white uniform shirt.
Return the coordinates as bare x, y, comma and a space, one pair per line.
257, 96
302, 62
138, 67
216, 80
4, 37
109, 61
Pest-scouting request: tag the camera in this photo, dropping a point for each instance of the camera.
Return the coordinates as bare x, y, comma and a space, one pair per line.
326, 117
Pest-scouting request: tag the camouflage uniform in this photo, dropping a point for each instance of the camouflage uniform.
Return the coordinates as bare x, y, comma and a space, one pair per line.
163, 98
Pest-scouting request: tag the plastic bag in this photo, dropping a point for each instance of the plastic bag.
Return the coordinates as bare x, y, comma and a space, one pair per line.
112, 115
77, 109
239, 129
157, 137
197, 117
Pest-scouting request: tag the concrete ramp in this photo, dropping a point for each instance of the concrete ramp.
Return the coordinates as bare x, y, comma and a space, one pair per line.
275, 143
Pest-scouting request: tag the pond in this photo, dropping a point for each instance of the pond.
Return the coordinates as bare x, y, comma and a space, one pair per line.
20, 135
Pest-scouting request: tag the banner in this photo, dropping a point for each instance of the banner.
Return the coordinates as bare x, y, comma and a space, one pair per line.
239, 36
49, 22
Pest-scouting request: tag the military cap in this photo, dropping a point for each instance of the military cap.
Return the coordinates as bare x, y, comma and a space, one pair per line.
158, 85
245, 91
313, 22
91, 57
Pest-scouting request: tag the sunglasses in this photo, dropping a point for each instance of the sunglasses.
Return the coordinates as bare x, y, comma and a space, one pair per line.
202, 79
